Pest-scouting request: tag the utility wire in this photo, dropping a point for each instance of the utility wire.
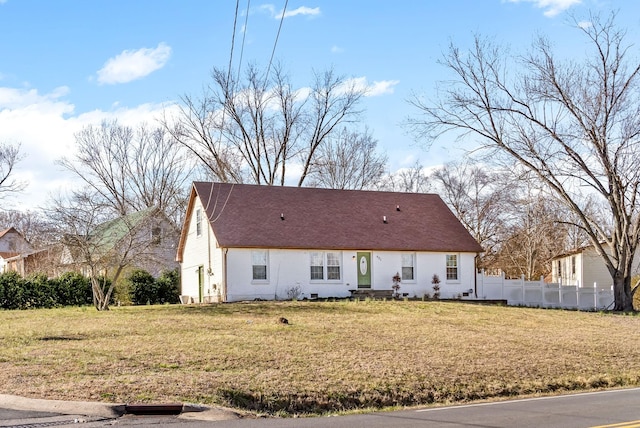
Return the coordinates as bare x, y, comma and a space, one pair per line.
233, 39
244, 34
275, 43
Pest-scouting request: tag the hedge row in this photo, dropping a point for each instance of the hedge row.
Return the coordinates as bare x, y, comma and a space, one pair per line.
38, 291
74, 289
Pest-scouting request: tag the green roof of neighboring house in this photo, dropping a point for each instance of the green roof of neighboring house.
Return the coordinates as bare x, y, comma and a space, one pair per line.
107, 235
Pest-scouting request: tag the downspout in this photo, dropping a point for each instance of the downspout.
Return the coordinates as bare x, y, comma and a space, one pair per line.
475, 275
209, 271
224, 274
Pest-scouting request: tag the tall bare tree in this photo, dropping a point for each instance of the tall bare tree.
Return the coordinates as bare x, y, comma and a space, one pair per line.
412, 180
251, 129
10, 155
481, 199
532, 236
33, 226
348, 160
131, 169
576, 125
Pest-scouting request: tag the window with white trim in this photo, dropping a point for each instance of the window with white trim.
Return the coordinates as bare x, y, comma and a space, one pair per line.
198, 222
317, 266
259, 265
408, 263
452, 267
333, 266
325, 265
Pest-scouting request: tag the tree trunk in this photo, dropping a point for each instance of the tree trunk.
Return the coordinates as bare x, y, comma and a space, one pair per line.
623, 298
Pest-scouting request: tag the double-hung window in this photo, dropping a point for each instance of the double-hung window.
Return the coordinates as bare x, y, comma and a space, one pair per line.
408, 263
259, 264
333, 266
452, 267
317, 266
198, 222
325, 266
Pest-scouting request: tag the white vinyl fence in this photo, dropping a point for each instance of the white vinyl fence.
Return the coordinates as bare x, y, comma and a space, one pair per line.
518, 292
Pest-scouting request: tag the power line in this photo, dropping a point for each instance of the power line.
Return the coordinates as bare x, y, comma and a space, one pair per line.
244, 34
275, 43
233, 39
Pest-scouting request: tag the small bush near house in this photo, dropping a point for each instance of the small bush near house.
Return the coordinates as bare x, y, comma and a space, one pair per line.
142, 287
168, 286
146, 290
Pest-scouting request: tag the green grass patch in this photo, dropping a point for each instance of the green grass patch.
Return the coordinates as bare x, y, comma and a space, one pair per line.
331, 357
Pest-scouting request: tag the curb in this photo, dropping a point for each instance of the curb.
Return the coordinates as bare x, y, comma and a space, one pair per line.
64, 407
110, 410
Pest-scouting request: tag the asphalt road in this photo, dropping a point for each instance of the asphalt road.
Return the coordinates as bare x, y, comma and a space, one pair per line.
614, 408
596, 409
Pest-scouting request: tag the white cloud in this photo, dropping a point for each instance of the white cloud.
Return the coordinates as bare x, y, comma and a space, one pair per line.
551, 7
44, 125
374, 89
11, 98
134, 64
336, 49
585, 24
268, 8
302, 10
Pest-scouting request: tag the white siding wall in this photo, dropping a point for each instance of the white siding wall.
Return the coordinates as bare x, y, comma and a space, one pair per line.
291, 268
590, 269
202, 251
594, 270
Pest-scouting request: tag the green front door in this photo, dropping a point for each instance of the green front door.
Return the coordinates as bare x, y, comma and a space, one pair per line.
200, 284
364, 270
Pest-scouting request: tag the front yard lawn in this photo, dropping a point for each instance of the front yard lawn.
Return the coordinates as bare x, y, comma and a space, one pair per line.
330, 357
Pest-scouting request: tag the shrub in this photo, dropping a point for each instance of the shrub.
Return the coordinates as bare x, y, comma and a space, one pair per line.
142, 286
11, 291
73, 289
168, 286
39, 292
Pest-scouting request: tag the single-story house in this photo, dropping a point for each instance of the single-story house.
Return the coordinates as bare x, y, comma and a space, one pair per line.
583, 267
246, 242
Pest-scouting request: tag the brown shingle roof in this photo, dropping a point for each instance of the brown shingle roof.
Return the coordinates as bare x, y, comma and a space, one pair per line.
249, 216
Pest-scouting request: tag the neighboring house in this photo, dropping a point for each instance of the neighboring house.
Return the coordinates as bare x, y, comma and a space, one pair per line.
12, 244
43, 261
582, 267
246, 242
145, 239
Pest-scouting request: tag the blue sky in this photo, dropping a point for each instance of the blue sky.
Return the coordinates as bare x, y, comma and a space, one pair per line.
65, 64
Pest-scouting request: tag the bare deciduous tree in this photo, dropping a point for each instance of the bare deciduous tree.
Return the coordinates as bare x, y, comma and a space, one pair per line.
100, 245
533, 235
252, 129
9, 157
412, 180
32, 225
575, 125
348, 160
131, 169
480, 198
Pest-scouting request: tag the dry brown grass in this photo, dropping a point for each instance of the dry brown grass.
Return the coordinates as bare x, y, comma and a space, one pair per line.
333, 356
